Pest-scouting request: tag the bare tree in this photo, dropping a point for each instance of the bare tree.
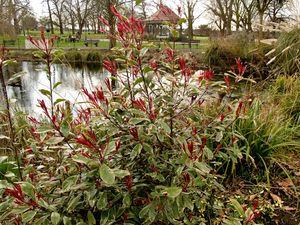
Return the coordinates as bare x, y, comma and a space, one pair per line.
262, 7
189, 9
276, 10
16, 10
223, 11
50, 16
58, 8
69, 15
248, 14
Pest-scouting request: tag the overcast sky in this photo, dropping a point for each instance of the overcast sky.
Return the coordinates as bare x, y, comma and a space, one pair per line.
40, 9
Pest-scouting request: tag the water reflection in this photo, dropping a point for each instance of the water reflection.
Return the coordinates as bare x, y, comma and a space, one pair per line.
25, 90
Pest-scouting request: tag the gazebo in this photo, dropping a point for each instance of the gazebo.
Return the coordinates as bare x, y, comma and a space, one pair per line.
156, 25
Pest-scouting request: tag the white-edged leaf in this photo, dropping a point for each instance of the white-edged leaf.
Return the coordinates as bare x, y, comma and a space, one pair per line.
107, 174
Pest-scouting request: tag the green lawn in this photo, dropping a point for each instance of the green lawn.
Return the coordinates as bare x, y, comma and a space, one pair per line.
63, 42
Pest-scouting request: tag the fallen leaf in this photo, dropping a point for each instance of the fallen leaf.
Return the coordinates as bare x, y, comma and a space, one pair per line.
285, 183
297, 174
276, 198
287, 208
251, 197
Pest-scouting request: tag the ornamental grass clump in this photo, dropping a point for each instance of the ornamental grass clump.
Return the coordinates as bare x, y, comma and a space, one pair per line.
139, 150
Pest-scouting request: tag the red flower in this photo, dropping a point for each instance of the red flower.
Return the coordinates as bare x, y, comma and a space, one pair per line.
222, 117
19, 196
227, 80
182, 65
170, 54
83, 140
116, 12
134, 133
83, 153
140, 104
110, 66
108, 84
206, 75
153, 65
255, 204
103, 20
239, 108
117, 145
186, 181
129, 183
152, 114
191, 148
194, 131
241, 68
44, 107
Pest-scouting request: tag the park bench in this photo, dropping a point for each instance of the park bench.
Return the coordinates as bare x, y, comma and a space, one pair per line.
9, 42
91, 41
193, 43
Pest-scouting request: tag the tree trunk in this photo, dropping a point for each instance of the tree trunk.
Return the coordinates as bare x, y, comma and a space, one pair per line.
190, 26
61, 26
50, 17
261, 23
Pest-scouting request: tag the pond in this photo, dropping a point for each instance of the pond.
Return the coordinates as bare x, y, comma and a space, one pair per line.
24, 91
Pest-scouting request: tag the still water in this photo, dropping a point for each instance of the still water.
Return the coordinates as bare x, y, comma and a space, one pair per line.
24, 91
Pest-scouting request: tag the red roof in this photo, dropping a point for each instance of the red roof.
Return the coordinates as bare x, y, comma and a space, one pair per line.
164, 13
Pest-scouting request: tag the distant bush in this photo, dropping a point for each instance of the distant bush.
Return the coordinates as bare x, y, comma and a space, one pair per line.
74, 56
223, 52
94, 57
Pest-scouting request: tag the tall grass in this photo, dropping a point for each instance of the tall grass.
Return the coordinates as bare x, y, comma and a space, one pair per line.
286, 55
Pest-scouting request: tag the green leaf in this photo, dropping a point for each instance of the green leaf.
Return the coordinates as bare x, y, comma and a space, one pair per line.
143, 51
121, 173
135, 121
73, 203
28, 216
91, 218
69, 182
16, 76
45, 92
55, 140
138, 81
181, 21
237, 206
67, 220
28, 189
137, 2
55, 218
102, 202
136, 151
107, 175
172, 192
203, 167
57, 84
165, 127
65, 128
188, 202
44, 129
147, 69
126, 200
143, 213
219, 136
20, 209
81, 159
59, 100
3, 158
